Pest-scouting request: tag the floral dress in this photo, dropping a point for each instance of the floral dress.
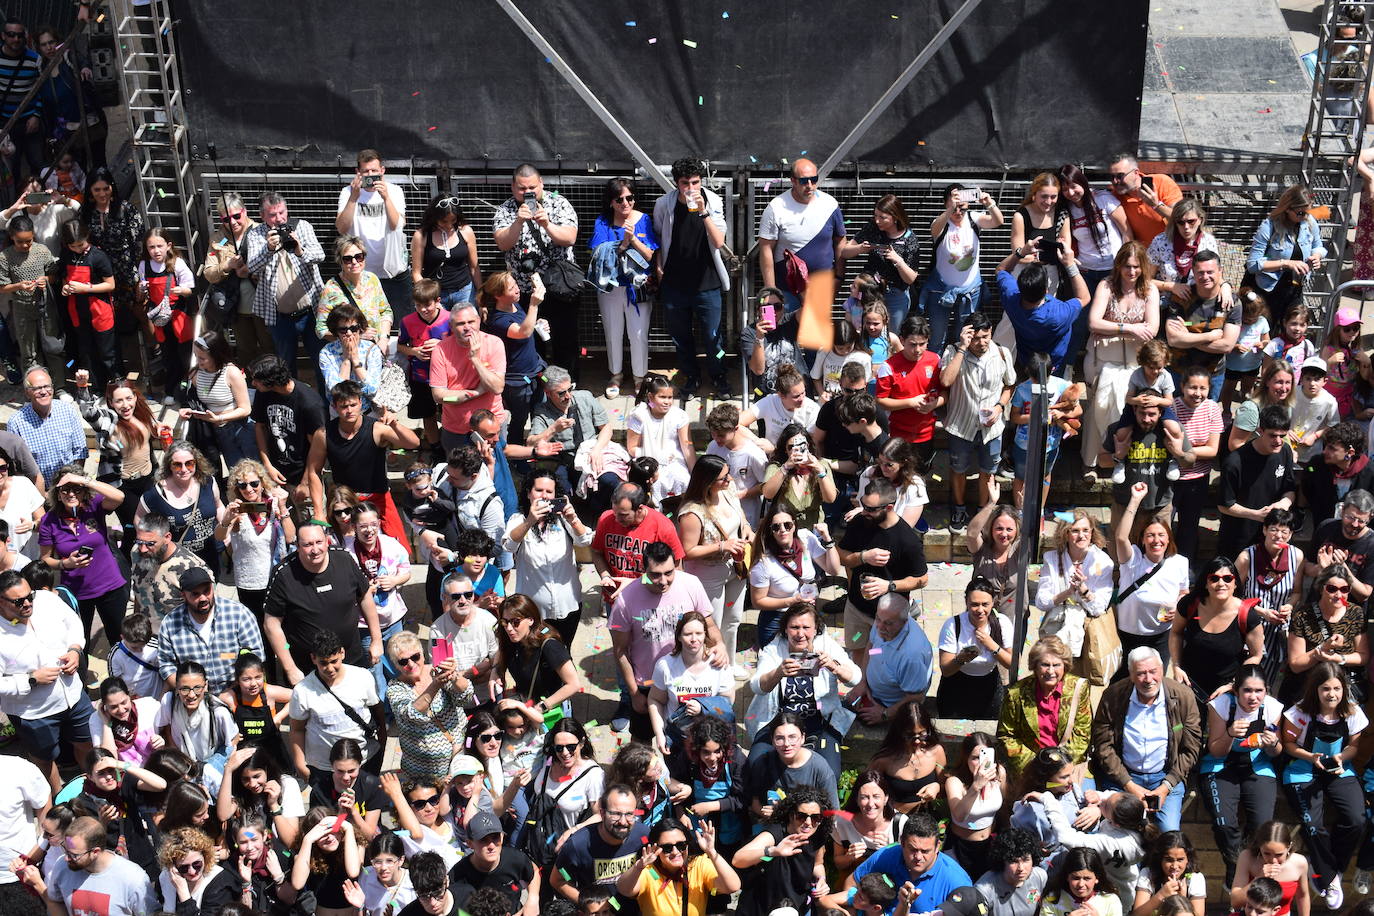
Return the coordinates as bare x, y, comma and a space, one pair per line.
121, 239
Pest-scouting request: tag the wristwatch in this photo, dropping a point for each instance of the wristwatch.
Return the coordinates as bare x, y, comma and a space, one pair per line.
33, 681
891, 585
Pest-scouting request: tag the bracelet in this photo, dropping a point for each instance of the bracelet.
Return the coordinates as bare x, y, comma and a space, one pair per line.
827, 544
1071, 270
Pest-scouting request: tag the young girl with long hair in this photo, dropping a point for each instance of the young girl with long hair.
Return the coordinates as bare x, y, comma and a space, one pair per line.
659, 429
1082, 883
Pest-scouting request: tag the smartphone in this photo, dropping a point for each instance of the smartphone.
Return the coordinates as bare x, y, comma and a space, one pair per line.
769, 313
531, 200
968, 195
987, 761
559, 504
1152, 802
1148, 181
1331, 761
253, 507
83, 552
33, 198
441, 651
799, 453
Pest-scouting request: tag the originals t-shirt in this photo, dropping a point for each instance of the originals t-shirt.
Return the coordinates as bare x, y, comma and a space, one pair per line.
591, 863
310, 602
289, 422
907, 556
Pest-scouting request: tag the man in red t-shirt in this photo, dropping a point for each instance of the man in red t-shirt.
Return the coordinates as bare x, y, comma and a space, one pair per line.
621, 533
909, 389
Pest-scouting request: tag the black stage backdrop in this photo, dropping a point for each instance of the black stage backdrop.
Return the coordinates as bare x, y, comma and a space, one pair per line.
1022, 82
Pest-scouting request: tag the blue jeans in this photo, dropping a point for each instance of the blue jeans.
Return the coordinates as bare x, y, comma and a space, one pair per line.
1170, 812
520, 400
287, 336
236, 442
449, 300
679, 312
898, 302
940, 303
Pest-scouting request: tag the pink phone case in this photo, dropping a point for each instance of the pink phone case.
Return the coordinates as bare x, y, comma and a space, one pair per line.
770, 314
441, 651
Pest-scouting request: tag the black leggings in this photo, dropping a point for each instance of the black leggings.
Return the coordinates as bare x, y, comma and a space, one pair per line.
1225, 793
1190, 496
1329, 850
110, 606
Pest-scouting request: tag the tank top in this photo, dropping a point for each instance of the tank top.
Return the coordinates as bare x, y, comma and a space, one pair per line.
1003, 576
137, 462
213, 390
451, 267
1271, 593
906, 791
357, 462
197, 520
1034, 235
984, 810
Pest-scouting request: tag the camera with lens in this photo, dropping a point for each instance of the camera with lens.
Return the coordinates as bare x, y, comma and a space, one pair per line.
287, 240
370, 181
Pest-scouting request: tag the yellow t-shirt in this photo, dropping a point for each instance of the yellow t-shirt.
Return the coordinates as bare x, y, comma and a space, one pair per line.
659, 896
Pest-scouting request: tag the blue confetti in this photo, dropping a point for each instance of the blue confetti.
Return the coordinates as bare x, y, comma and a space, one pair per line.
725, 15
631, 23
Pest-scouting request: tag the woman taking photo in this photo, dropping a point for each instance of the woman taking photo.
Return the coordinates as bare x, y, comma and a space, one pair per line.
223, 391
1214, 632
257, 529
912, 758
1271, 571
1276, 388
715, 538
124, 430
1075, 582
1321, 734
1153, 577
787, 855
1327, 628
543, 539
186, 493
682, 680
72, 538
868, 824
675, 874
1172, 251
624, 308
799, 672
993, 541
1287, 246
976, 793
955, 280
427, 704
1123, 315
1238, 766
795, 479
538, 661
1048, 696
892, 249
514, 324
350, 355
444, 248
788, 565
357, 287
974, 648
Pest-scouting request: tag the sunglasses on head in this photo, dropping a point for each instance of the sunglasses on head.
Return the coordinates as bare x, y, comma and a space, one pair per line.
447, 203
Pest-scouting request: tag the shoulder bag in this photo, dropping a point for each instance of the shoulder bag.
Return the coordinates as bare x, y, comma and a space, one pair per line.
560, 275
393, 391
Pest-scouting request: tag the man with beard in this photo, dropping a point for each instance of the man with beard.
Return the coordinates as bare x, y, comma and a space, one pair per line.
157, 565
594, 856
206, 628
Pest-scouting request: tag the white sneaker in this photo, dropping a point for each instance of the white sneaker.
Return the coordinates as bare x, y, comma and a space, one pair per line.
1119, 472
1335, 897
1362, 881
1171, 472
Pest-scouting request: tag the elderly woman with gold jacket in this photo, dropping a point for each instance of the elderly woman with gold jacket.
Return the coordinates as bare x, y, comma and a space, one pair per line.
1047, 708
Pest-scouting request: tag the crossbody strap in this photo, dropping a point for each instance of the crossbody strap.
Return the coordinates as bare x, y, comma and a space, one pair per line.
369, 728
1130, 589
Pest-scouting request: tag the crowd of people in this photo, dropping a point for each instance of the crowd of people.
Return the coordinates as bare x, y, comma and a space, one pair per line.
251, 563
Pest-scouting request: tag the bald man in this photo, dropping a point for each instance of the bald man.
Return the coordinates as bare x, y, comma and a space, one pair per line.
805, 221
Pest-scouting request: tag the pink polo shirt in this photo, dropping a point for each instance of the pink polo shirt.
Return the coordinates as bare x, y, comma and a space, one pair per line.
451, 367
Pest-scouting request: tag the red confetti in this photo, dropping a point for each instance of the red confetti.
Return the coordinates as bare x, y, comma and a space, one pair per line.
433, 129
1266, 111
415, 93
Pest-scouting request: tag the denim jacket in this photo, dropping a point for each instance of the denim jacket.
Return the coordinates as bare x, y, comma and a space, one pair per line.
1272, 243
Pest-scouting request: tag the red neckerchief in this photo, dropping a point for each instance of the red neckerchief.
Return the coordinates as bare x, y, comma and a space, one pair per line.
1356, 466
709, 777
1183, 254
369, 560
1270, 570
125, 732
792, 560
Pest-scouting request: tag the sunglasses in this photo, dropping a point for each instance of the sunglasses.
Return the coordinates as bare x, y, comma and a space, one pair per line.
489, 736
428, 801
411, 659
1119, 176
345, 512
447, 203
872, 510
190, 868
72, 490
680, 846
1221, 577
351, 329
807, 179
4, 468
917, 736
183, 464
22, 602
353, 258
782, 526
15, 34
433, 895
460, 596
1189, 222
810, 818
1337, 589
231, 217
625, 198
564, 748
248, 484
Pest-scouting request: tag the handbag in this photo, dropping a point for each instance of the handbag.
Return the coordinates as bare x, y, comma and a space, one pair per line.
200, 433
1101, 648
561, 277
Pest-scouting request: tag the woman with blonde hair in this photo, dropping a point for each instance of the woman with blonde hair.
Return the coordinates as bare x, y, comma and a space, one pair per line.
1036, 229
358, 287
1286, 247
192, 880
257, 529
1277, 387
504, 317
1075, 581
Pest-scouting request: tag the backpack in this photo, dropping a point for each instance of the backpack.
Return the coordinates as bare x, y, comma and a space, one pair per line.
543, 823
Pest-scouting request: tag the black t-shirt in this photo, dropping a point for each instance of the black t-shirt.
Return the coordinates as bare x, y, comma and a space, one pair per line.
1203, 315
1251, 479
291, 419
1324, 489
779, 346
908, 556
1146, 461
367, 789
779, 878
552, 655
589, 862
417, 908
307, 603
1359, 551
841, 444
512, 874
690, 268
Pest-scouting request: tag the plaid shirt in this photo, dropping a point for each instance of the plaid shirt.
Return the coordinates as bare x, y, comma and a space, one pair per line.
262, 265
55, 440
232, 632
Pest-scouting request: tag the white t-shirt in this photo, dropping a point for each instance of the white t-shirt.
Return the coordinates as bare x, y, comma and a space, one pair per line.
23, 500
659, 435
775, 416
956, 257
748, 465
582, 789
671, 676
1096, 253
431, 841
985, 661
913, 494
1357, 722
1197, 883
767, 570
324, 716
1271, 710
795, 225
1139, 613
828, 365
23, 792
1163, 383
1311, 414
141, 680
379, 900
370, 222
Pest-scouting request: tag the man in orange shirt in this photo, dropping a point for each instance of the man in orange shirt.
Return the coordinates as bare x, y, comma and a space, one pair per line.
1147, 199
467, 373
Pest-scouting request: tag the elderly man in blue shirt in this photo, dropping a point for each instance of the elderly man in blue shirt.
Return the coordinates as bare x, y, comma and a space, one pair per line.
51, 428
899, 664
917, 861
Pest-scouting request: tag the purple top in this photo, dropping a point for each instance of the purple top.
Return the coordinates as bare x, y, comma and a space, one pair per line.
103, 574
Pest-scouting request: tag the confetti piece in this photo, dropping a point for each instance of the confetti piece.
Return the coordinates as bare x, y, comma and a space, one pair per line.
566, 877
689, 43
725, 15
767, 859
857, 636
433, 128
721, 354
875, 651
584, 351
161, 193
894, 16
615, 904
755, 161
1261, 111
653, 41
631, 23
700, 101
415, 93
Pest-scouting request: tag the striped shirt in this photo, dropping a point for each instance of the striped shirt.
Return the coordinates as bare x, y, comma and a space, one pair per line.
979, 384
17, 76
1199, 424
